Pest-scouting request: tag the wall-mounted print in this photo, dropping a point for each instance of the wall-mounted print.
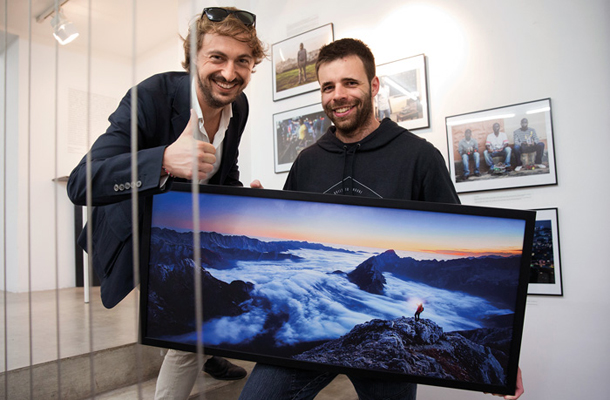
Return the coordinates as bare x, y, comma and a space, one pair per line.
502, 148
403, 92
545, 273
294, 60
373, 287
294, 130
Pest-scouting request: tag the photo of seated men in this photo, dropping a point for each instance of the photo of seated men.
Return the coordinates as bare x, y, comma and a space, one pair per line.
523, 153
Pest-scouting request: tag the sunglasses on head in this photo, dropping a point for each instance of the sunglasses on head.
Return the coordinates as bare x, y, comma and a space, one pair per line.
218, 14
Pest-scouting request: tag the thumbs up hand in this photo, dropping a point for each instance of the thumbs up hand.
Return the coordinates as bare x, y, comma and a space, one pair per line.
178, 157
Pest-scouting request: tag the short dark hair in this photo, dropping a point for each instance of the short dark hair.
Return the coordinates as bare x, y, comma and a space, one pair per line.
348, 47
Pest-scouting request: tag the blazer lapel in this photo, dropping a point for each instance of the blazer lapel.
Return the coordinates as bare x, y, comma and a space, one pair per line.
182, 106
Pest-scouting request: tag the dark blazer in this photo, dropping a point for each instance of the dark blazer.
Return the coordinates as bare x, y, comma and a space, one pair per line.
163, 113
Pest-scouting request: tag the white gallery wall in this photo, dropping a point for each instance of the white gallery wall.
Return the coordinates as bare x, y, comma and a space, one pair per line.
480, 54
32, 239
62, 99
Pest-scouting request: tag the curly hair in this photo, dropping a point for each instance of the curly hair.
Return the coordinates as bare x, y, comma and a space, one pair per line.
231, 27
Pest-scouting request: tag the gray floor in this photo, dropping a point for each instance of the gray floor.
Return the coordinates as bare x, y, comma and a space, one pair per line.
83, 327
33, 327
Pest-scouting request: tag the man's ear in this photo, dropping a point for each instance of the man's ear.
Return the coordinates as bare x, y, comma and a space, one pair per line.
375, 86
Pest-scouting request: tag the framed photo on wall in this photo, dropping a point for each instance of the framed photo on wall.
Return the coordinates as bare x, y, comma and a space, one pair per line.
293, 62
403, 92
373, 287
545, 273
502, 148
294, 130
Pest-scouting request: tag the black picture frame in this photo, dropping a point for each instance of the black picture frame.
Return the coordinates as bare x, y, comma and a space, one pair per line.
545, 275
332, 283
535, 167
287, 78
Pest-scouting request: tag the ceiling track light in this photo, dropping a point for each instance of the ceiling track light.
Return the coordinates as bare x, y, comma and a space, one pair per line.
63, 29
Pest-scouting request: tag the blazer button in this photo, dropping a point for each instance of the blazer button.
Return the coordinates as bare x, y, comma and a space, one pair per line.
127, 185
121, 187
116, 187
138, 183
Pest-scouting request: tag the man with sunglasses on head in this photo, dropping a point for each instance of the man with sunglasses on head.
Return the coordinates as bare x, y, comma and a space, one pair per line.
203, 108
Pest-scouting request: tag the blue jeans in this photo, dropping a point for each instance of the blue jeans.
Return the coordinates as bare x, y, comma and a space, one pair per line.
271, 382
384, 114
465, 159
539, 152
506, 153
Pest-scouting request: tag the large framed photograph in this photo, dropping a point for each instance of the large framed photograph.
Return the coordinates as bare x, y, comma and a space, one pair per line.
294, 60
545, 273
403, 92
378, 288
501, 148
294, 130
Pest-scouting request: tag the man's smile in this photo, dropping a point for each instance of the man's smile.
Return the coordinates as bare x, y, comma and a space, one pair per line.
342, 111
224, 85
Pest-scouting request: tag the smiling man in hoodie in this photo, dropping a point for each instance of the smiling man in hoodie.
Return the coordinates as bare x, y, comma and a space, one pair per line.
358, 156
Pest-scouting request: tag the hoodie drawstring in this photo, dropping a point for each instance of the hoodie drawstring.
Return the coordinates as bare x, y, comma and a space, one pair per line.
348, 168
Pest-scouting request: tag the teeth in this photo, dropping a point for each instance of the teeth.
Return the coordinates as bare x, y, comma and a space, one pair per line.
342, 110
225, 85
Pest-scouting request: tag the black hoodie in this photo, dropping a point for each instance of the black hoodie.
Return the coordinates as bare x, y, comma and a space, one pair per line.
391, 163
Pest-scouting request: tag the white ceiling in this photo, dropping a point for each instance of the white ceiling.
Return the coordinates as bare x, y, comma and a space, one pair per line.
111, 23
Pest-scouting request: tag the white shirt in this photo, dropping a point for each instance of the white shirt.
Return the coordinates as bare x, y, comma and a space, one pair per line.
201, 134
497, 142
383, 98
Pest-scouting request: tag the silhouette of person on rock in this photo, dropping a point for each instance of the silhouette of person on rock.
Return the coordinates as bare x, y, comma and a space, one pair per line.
420, 308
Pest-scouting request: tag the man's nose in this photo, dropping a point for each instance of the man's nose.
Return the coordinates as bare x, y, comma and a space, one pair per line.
340, 92
228, 72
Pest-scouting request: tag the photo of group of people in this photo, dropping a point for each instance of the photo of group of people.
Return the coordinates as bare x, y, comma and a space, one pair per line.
524, 151
295, 130
505, 147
